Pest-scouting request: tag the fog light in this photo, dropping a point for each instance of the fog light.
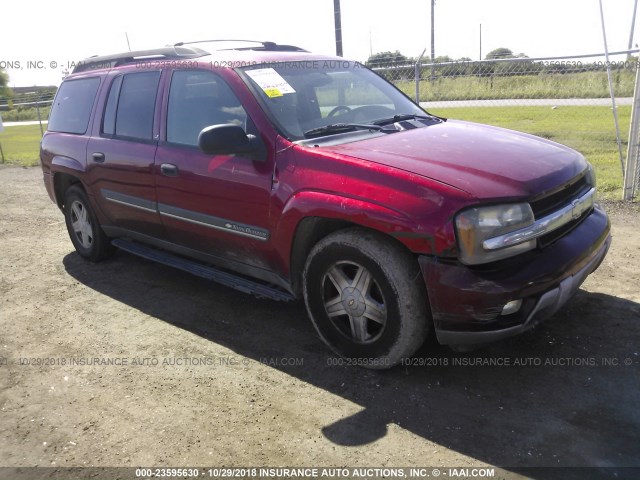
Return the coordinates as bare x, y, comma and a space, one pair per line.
512, 307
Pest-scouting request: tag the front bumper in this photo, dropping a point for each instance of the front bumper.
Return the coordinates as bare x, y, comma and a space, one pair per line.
466, 303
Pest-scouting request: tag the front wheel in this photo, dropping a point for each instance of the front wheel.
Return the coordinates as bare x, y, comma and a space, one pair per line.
365, 296
84, 230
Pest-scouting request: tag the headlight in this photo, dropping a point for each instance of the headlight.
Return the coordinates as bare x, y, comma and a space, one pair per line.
476, 225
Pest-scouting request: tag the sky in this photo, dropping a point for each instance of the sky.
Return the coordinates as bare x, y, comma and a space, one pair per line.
37, 43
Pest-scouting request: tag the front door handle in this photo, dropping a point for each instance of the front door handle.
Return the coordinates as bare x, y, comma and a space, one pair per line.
169, 170
98, 157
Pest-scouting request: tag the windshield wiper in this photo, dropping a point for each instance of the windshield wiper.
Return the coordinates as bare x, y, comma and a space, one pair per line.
340, 127
406, 116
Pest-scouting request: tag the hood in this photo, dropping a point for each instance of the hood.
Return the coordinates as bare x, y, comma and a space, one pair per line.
484, 161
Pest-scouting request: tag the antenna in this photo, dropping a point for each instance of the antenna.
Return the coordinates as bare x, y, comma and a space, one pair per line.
127, 37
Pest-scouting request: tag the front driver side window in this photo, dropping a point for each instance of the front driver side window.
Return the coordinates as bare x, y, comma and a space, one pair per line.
197, 100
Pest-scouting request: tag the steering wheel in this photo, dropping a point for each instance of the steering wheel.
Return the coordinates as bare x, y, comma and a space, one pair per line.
337, 109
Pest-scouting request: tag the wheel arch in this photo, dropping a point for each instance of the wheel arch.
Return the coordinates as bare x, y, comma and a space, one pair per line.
61, 183
311, 230
308, 216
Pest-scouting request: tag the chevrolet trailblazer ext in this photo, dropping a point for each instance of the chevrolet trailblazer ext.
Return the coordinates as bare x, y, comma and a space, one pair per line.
287, 174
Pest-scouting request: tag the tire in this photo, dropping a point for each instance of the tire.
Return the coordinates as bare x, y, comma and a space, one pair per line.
84, 230
366, 298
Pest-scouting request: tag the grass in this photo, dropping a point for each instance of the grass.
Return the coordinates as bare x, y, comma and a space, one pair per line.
587, 129
21, 145
569, 85
590, 130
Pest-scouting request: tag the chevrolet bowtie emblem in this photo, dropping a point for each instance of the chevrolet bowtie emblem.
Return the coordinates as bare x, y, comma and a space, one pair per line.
576, 211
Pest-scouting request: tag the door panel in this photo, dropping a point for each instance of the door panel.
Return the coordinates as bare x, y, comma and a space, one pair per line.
218, 204
121, 159
124, 185
215, 204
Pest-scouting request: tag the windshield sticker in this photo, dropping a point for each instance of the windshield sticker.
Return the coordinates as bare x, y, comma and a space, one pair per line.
273, 92
270, 82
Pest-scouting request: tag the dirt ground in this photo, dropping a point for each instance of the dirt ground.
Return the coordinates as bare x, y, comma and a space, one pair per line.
202, 375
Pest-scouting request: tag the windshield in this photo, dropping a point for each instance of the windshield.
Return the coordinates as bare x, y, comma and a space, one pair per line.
303, 97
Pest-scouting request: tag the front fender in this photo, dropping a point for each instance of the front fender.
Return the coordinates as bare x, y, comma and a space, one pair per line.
356, 211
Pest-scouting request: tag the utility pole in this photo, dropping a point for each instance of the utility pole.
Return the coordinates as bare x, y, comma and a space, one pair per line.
480, 42
611, 91
338, 23
433, 31
633, 26
433, 39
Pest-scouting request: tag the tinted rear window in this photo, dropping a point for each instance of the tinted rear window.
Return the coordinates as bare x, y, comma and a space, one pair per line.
109, 121
134, 117
72, 107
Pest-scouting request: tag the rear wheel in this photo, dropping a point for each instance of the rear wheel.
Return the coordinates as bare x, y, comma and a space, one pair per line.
365, 297
84, 230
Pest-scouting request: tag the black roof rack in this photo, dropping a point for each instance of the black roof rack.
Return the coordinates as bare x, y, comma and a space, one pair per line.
110, 61
264, 46
178, 51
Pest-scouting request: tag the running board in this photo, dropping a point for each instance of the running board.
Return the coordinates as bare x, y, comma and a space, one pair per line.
236, 282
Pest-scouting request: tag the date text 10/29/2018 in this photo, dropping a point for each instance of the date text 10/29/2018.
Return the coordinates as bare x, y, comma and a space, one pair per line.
336, 473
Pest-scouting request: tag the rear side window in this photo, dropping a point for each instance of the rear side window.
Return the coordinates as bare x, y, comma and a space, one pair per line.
72, 108
130, 106
109, 121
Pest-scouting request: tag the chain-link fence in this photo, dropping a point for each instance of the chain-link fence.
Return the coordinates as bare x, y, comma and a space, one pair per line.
24, 114
565, 99
27, 106
632, 169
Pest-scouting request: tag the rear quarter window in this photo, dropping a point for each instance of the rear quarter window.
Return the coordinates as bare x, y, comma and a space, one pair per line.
136, 105
71, 110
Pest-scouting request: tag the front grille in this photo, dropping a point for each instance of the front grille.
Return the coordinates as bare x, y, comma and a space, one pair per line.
551, 237
560, 197
556, 200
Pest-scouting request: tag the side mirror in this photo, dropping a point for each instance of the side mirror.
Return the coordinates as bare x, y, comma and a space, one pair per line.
228, 139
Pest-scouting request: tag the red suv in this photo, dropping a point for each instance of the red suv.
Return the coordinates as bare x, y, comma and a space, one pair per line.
292, 175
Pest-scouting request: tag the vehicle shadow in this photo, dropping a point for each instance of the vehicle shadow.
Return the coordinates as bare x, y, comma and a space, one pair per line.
561, 395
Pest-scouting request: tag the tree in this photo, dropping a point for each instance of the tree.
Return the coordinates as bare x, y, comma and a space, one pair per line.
510, 68
4, 83
500, 53
387, 58
443, 59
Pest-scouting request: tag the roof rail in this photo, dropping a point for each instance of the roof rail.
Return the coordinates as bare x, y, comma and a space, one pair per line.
265, 46
110, 61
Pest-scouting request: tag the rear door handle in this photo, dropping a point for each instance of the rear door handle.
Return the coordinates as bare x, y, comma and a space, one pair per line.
98, 157
169, 170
